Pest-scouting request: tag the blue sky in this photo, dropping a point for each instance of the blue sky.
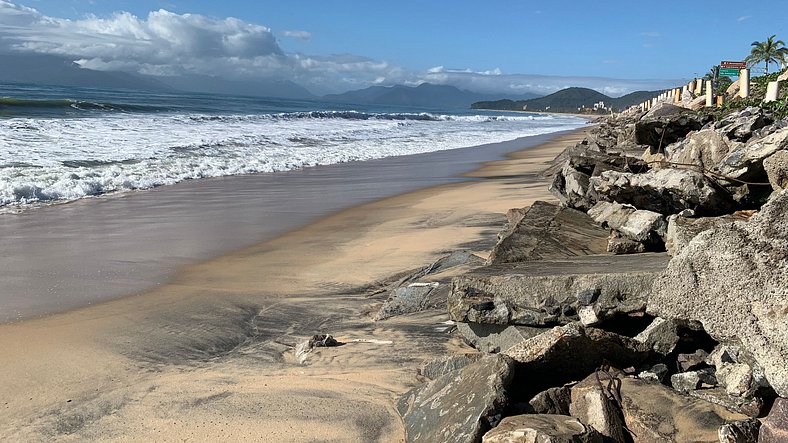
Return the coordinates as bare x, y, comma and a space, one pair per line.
482, 45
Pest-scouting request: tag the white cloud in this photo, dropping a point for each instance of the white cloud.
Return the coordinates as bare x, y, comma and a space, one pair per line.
651, 34
743, 18
300, 35
166, 43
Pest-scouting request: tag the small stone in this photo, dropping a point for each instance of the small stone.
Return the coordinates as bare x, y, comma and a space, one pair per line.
743, 431
657, 374
689, 362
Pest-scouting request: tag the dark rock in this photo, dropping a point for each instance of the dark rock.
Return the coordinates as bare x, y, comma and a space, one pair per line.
494, 338
667, 191
592, 405
656, 374
661, 335
774, 428
689, 362
661, 132
655, 413
459, 406
551, 401
440, 366
317, 341
741, 124
542, 428
546, 292
413, 298
548, 231
744, 431
734, 280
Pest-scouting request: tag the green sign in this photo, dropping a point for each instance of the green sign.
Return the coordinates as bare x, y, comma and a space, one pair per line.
729, 72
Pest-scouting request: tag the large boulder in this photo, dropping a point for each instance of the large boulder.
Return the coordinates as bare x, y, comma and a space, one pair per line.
543, 293
548, 231
657, 414
640, 225
413, 298
705, 148
460, 406
663, 131
746, 161
734, 280
667, 191
681, 230
741, 124
542, 428
571, 352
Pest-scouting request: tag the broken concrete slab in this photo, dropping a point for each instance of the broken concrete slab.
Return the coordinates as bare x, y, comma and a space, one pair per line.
549, 231
552, 292
495, 338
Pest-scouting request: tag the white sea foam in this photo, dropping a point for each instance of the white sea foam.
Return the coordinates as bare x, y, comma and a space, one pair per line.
49, 159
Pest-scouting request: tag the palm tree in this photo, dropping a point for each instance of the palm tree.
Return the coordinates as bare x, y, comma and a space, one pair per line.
770, 51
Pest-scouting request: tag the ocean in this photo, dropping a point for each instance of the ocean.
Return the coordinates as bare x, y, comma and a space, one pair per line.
61, 144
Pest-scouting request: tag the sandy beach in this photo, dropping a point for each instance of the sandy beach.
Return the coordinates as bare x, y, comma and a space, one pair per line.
208, 356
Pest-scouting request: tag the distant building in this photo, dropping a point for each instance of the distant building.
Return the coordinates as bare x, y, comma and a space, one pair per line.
600, 105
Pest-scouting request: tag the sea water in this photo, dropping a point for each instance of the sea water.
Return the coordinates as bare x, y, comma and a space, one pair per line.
60, 144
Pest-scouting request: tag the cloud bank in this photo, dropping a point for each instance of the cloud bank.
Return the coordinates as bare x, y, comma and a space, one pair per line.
169, 44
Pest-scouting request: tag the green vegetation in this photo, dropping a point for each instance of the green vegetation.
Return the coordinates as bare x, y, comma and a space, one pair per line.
769, 51
779, 108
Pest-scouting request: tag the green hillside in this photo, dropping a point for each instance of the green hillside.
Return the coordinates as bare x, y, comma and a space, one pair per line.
568, 100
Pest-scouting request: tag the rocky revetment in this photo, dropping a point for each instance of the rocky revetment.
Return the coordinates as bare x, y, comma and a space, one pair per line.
648, 304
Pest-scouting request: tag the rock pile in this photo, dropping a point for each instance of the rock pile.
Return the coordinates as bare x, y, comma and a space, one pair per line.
589, 331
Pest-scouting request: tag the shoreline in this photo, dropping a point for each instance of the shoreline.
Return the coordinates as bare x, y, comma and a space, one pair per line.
131, 243
210, 354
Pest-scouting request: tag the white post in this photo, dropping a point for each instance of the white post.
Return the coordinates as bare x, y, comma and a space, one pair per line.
744, 83
691, 86
698, 87
772, 92
709, 94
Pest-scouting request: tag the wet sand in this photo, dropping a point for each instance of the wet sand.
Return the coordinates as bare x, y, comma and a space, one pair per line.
67, 256
209, 355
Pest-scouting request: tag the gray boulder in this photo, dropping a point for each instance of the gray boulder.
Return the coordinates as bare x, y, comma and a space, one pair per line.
570, 352
549, 292
667, 191
459, 406
741, 124
686, 382
749, 406
495, 338
413, 298
705, 148
548, 231
665, 109
776, 167
746, 161
661, 335
542, 428
639, 225
775, 426
657, 414
681, 230
619, 245
734, 280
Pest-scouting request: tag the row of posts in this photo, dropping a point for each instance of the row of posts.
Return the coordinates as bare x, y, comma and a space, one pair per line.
698, 86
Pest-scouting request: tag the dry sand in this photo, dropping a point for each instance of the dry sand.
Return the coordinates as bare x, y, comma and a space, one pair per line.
209, 356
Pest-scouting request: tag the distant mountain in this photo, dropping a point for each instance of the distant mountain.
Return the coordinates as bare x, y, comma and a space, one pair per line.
52, 70
425, 95
567, 100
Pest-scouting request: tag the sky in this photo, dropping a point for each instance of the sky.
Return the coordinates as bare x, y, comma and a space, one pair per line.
336, 45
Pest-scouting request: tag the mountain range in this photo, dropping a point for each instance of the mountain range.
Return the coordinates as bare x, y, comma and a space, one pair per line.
423, 95
567, 100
